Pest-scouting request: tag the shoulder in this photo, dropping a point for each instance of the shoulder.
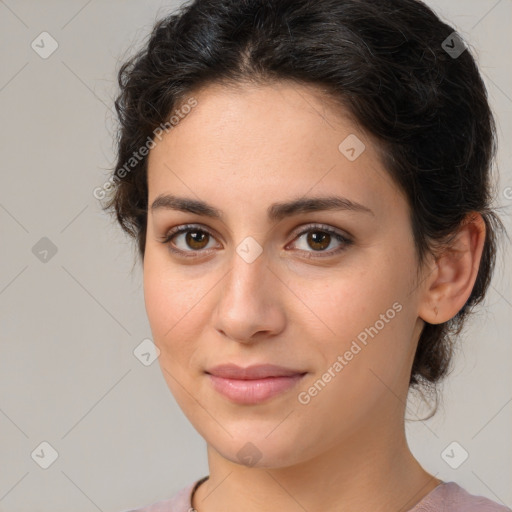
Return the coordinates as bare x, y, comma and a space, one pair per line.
180, 502
452, 497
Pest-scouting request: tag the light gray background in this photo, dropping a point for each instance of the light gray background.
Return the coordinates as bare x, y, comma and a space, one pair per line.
68, 375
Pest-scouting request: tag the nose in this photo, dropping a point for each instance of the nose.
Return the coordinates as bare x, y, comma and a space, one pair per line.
250, 305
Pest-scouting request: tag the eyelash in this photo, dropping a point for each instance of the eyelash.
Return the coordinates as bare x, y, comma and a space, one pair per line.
310, 228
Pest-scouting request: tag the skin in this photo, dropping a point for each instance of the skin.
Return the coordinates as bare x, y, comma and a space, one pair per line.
240, 150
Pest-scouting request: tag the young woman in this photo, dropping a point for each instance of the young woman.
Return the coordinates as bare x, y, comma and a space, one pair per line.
309, 187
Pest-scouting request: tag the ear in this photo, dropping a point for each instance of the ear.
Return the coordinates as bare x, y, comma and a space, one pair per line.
454, 273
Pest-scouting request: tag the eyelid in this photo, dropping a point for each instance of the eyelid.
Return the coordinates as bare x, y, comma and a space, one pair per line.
343, 238
295, 233
320, 227
184, 228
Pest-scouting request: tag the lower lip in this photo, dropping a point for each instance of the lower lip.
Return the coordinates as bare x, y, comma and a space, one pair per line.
253, 391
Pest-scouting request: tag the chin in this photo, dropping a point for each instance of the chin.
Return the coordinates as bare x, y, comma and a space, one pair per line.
260, 452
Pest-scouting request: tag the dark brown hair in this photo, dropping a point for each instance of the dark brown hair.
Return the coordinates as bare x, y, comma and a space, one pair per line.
392, 64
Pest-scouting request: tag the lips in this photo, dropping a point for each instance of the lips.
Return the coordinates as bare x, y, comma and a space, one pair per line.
261, 371
254, 384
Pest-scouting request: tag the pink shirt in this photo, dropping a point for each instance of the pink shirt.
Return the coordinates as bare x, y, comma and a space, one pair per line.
446, 497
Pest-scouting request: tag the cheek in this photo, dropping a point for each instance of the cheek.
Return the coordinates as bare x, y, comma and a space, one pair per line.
347, 302
167, 303
365, 368
170, 300
159, 303
371, 318
176, 307
167, 294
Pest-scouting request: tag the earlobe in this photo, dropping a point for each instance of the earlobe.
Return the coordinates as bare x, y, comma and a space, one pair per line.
455, 274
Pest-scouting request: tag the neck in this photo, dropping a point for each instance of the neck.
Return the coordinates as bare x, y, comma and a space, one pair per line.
370, 470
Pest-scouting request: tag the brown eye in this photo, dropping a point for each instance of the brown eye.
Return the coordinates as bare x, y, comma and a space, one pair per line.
189, 240
319, 240
196, 239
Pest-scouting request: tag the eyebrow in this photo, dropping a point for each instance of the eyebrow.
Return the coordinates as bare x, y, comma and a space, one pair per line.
275, 212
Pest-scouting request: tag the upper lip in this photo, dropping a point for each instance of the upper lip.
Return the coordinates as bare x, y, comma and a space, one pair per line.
259, 371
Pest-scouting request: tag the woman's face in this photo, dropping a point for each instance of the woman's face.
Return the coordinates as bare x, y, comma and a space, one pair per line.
327, 293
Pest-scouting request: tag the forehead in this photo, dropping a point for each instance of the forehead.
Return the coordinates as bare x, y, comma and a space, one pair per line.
262, 142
